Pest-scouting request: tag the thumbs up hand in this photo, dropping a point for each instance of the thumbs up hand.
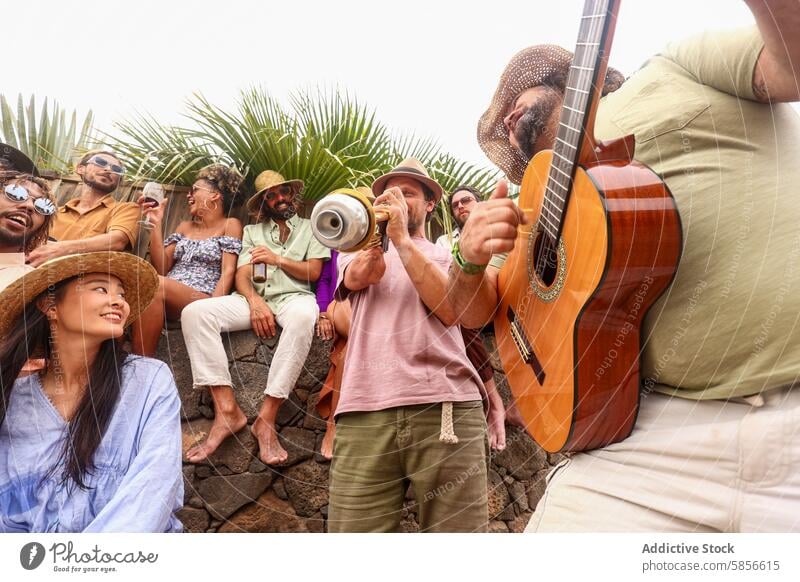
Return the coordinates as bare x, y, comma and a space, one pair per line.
491, 227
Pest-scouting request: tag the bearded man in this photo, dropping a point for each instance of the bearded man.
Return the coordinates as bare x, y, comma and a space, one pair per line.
26, 212
284, 244
93, 220
714, 447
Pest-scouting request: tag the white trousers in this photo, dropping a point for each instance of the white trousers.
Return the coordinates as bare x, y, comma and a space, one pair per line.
689, 466
204, 321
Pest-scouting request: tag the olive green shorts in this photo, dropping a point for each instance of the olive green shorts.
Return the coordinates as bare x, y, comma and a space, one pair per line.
377, 454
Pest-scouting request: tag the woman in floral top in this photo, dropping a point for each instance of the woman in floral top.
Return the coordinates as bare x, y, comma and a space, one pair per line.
199, 259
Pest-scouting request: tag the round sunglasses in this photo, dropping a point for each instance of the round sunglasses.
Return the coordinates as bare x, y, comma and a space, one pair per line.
19, 194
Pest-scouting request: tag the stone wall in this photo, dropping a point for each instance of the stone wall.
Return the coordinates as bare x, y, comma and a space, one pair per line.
234, 492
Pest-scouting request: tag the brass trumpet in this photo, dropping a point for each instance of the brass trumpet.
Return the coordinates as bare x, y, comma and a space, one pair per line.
347, 221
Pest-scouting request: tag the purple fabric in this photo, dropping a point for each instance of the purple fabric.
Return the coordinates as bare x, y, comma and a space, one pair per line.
326, 284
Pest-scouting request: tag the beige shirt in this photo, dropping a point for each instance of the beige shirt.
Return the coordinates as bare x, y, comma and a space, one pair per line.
299, 246
105, 216
12, 267
728, 325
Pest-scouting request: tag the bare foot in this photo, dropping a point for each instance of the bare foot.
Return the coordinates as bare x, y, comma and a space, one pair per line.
224, 426
496, 421
270, 450
326, 448
514, 417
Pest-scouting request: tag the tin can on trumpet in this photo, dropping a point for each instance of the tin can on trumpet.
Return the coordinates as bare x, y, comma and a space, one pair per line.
345, 220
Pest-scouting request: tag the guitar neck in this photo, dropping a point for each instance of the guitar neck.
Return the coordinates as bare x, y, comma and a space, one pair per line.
575, 137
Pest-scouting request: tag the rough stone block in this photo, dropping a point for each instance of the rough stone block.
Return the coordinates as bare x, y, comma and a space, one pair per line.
279, 489
315, 368
224, 495
172, 350
522, 457
241, 345
268, 514
194, 520
307, 487
517, 525
299, 443
189, 490
499, 499
496, 526
535, 488
316, 524
249, 380
519, 496
312, 419
291, 411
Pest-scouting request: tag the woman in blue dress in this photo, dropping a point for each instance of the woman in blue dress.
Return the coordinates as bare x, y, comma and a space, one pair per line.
198, 260
92, 442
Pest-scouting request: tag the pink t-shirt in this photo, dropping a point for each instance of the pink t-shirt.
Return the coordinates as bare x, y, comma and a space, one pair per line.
398, 352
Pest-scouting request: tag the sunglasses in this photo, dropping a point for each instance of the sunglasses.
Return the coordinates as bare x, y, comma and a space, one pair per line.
284, 190
17, 193
104, 163
465, 201
194, 189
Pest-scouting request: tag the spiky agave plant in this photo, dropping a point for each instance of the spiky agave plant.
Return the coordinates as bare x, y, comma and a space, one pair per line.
52, 139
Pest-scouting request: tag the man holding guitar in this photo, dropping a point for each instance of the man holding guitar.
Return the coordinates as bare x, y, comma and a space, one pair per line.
714, 446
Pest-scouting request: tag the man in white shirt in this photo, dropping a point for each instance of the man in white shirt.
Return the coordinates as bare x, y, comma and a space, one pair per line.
462, 201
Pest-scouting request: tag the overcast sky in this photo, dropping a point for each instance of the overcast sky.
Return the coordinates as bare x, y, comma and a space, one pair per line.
427, 67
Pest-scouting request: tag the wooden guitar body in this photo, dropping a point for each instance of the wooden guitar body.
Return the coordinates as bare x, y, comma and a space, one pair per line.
570, 344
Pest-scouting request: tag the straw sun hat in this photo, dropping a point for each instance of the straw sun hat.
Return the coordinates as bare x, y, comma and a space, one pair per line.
409, 168
138, 277
266, 180
543, 64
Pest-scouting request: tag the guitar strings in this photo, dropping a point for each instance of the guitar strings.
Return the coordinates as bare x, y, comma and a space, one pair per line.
596, 13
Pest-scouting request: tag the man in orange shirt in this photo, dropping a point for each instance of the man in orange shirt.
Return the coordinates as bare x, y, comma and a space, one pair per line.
94, 220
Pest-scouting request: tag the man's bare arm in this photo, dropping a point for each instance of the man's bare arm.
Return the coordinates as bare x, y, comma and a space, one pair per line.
777, 74
115, 240
309, 270
491, 229
366, 269
429, 281
473, 297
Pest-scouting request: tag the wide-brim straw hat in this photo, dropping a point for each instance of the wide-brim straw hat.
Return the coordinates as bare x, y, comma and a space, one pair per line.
13, 159
266, 180
138, 277
409, 168
531, 67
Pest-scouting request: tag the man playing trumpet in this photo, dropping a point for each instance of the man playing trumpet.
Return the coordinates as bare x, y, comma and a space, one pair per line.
410, 409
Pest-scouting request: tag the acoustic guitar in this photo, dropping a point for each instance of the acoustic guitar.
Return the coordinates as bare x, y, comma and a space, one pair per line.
602, 243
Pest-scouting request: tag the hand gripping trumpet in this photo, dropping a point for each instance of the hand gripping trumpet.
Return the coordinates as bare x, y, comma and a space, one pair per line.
347, 221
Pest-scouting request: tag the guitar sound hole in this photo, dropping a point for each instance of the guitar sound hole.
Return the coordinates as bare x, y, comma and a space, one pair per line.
545, 259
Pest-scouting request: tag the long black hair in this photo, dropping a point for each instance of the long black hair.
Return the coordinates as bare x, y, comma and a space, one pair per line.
31, 336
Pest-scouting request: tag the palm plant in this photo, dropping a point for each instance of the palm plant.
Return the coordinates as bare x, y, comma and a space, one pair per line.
49, 140
328, 140
162, 153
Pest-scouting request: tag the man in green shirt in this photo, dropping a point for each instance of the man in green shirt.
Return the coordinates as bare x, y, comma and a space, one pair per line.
283, 243
713, 448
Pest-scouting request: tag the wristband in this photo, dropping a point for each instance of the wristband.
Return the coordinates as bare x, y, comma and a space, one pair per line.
463, 264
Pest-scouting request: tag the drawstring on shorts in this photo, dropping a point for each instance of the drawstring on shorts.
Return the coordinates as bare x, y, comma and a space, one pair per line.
447, 433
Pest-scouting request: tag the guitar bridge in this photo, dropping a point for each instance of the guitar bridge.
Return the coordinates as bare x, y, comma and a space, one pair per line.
524, 346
